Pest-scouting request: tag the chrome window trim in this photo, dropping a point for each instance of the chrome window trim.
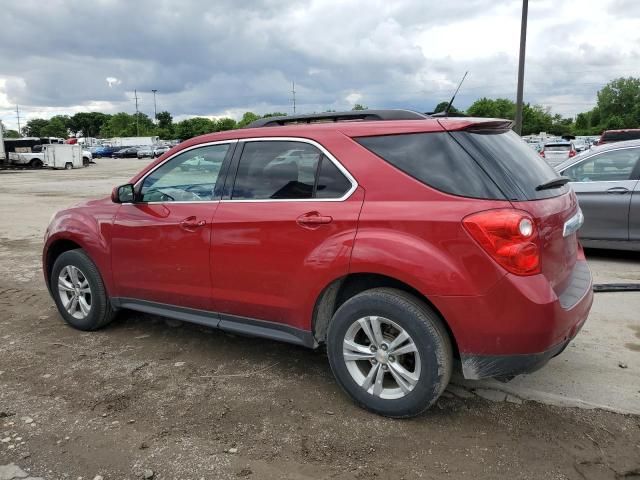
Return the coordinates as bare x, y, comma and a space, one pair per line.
325, 152
589, 157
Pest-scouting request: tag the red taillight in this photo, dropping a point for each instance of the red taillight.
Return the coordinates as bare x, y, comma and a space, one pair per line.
572, 153
509, 236
542, 153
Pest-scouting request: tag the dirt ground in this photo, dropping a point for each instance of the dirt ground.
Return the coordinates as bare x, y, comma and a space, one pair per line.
188, 402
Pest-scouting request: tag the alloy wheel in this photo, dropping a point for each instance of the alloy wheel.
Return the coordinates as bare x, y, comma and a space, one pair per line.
75, 292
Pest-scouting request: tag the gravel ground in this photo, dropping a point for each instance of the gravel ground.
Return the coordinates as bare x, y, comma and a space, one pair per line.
147, 399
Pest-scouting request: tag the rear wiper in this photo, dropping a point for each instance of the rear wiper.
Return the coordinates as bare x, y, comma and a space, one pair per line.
555, 183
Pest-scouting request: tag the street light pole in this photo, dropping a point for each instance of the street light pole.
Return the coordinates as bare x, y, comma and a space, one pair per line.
155, 110
523, 43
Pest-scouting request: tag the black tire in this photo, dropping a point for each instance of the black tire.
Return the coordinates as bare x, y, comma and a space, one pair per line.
85, 161
68, 166
101, 312
35, 163
427, 332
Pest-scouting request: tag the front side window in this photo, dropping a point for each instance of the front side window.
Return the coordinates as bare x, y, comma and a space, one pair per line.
188, 177
605, 167
286, 170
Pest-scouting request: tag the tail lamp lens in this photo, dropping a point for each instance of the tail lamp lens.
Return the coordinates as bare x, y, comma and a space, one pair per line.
509, 236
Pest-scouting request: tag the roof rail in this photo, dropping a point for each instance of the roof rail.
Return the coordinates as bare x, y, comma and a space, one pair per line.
353, 115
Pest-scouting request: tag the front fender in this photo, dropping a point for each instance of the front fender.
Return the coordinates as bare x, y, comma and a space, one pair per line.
89, 226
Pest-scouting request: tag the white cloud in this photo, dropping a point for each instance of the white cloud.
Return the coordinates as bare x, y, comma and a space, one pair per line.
111, 81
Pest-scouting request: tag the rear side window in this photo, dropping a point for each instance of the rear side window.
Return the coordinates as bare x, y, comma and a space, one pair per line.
511, 163
287, 170
620, 136
434, 159
605, 167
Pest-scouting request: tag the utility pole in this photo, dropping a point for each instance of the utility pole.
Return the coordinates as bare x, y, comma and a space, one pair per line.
155, 109
523, 43
135, 93
18, 115
293, 91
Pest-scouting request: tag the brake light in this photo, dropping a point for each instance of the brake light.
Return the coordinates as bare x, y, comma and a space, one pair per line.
542, 153
572, 153
509, 236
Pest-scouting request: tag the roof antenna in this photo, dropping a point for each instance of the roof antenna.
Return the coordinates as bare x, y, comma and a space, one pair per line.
446, 110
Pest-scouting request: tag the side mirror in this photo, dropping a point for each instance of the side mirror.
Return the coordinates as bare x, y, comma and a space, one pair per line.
123, 194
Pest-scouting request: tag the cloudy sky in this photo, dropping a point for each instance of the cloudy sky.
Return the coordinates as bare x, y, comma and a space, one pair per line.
224, 57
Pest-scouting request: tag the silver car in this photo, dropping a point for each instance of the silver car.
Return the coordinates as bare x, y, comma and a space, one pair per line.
606, 181
557, 152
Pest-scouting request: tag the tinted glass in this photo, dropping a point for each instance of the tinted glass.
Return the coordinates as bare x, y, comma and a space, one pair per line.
331, 182
620, 136
557, 148
436, 160
188, 177
605, 167
515, 167
276, 170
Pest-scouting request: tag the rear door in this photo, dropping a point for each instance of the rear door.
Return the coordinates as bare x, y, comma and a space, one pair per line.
604, 184
634, 210
284, 230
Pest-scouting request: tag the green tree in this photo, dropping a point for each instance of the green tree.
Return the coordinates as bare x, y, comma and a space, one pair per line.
192, 127
358, 106
87, 124
34, 127
165, 120
57, 126
11, 134
619, 103
125, 125
246, 119
225, 124
442, 106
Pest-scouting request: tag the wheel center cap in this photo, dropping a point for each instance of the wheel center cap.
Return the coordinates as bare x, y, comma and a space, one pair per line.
382, 356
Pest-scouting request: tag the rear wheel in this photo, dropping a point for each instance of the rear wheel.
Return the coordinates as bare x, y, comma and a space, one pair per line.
68, 166
79, 292
35, 163
85, 161
390, 352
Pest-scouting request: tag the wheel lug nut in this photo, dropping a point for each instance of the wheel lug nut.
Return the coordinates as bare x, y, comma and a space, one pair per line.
383, 346
373, 348
374, 361
392, 358
384, 367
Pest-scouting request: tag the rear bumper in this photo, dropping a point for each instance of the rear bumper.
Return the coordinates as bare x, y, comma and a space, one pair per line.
519, 325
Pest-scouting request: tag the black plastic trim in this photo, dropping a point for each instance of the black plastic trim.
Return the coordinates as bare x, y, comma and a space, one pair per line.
364, 115
226, 322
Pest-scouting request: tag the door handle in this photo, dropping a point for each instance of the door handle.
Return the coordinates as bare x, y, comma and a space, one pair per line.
618, 190
313, 220
191, 223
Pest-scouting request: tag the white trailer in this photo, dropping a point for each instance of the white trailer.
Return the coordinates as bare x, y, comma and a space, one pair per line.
133, 141
63, 156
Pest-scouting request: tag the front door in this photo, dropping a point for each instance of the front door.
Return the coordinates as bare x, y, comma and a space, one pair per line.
604, 184
287, 226
161, 242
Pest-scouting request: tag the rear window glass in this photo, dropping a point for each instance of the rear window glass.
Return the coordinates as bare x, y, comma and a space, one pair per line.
434, 159
557, 148
511, 163
620, 136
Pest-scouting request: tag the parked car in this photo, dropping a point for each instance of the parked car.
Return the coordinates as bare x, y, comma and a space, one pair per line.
611, 136
128, 152
557, 152
606, 181
464, 246
106, 151
581, 145
152, 151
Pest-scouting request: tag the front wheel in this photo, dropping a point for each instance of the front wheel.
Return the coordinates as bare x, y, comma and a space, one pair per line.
79, 292
35, 163
390, 352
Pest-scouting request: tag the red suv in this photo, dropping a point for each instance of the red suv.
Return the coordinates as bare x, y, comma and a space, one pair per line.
400, 241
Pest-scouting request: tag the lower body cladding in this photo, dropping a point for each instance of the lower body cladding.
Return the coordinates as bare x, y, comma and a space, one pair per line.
223, 321
519, 325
